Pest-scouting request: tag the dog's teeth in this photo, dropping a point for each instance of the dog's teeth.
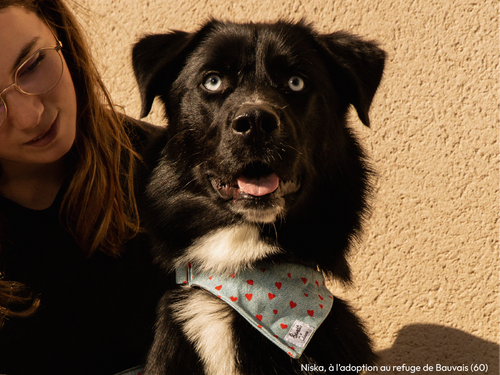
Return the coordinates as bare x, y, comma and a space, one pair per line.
225, 191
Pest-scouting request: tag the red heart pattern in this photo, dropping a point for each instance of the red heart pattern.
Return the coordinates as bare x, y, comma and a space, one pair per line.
271, 296
291, 298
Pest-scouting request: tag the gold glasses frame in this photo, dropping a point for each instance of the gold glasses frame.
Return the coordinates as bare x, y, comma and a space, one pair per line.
15, 84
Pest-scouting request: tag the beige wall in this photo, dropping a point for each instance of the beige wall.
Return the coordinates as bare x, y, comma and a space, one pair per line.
427, 271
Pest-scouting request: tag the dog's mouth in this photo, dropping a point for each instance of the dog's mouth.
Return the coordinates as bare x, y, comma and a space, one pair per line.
257, 192
256, 180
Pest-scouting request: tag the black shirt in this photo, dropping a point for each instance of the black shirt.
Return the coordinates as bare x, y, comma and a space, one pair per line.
96, 314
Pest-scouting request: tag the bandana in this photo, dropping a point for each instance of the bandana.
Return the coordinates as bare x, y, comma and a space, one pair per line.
286, 302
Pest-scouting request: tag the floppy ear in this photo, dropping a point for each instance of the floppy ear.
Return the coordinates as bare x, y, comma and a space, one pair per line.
361, 64
156, 60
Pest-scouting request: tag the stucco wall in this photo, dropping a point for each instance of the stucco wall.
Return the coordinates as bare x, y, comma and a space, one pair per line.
427, 271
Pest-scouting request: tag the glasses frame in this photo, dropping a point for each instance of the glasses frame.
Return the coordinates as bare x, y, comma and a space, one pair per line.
14, 84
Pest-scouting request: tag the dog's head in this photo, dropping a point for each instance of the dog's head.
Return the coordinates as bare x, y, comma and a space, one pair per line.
258, 111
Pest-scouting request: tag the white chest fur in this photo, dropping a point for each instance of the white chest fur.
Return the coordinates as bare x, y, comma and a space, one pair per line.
207, 323
227, 250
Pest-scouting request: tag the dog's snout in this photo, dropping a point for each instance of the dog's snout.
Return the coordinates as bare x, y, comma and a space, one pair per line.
255, 119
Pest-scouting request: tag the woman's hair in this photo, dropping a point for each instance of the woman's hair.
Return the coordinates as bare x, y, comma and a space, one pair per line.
99, 207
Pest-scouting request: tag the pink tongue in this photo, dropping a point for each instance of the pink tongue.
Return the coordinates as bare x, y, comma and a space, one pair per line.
259, 186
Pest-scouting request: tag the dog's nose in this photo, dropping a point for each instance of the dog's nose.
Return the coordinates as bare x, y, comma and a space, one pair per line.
250, 119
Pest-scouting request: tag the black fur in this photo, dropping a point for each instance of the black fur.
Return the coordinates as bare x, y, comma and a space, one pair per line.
255, 124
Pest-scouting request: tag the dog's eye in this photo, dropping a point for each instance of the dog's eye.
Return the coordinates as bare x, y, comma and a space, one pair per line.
296, 83
213, 82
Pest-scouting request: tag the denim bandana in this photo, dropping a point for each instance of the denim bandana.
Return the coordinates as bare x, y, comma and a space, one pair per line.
286, 302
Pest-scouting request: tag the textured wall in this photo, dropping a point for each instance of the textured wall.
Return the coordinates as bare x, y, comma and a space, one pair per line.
427, 271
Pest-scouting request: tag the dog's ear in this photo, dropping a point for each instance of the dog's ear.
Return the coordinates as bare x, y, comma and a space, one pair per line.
155, 59
361, 64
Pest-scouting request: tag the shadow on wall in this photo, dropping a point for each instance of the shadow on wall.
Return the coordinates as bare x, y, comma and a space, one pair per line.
432, 345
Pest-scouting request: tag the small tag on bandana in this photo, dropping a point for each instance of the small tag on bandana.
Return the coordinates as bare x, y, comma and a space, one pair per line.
299, 334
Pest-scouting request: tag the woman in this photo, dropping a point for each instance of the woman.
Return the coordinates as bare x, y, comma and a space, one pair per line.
78, 291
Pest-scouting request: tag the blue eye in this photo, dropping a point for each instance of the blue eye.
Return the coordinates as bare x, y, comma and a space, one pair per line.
213, 82
296, 83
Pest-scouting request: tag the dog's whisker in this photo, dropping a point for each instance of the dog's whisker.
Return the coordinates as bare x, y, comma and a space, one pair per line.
189, 182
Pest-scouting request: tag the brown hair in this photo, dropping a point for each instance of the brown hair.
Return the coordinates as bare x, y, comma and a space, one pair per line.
99, 207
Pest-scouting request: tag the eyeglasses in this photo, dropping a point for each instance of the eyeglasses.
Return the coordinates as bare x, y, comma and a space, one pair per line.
37, 75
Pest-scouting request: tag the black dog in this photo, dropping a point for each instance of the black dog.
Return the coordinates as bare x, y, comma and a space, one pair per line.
256, 172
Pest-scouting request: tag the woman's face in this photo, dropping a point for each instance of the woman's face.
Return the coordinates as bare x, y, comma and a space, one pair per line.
38, 129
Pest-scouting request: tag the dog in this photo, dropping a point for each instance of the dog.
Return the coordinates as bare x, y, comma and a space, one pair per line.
256, 189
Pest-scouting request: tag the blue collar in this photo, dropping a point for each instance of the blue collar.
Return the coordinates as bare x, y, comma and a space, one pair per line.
286, 302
